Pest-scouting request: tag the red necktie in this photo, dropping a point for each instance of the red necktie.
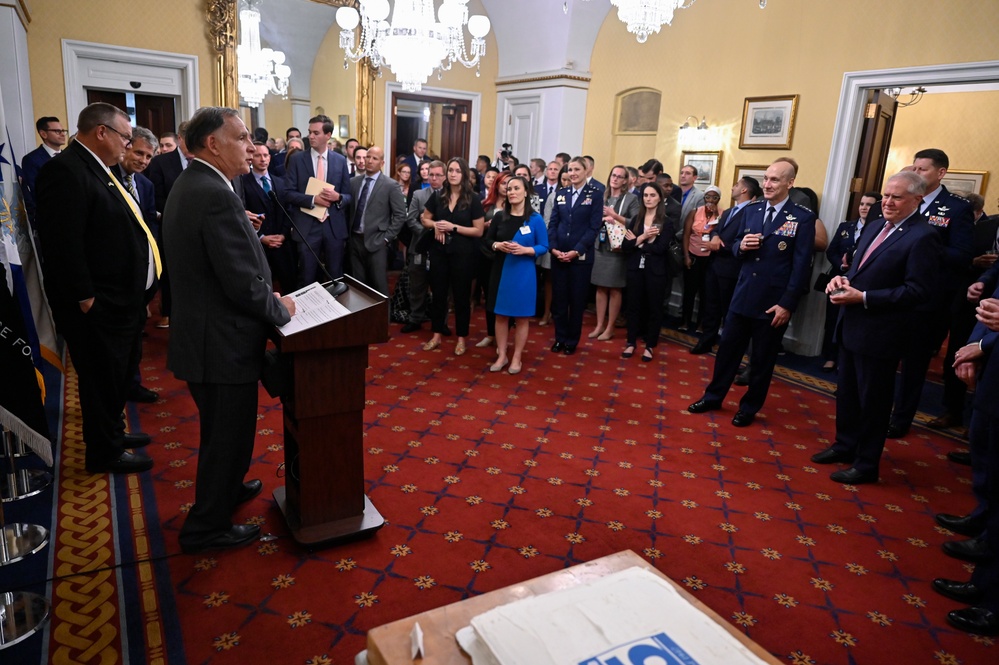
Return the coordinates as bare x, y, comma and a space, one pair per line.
877, 241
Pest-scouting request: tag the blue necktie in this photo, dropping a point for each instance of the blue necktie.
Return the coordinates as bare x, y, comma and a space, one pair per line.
770, 218
265, 181
359, 210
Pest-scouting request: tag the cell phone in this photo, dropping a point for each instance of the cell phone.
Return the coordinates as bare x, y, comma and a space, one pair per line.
837, 292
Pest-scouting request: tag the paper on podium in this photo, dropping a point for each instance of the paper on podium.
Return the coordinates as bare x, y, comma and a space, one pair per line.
314, 306
629, 612
316, 186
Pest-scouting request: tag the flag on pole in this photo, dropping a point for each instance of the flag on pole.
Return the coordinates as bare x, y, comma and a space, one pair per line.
27, 332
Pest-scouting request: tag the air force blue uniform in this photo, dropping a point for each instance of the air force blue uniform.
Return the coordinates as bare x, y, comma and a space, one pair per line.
775, 274
573, 227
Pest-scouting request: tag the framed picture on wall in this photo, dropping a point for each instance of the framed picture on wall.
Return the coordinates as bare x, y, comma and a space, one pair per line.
966, 182
751, 170
343, 124
707, 164
768, 122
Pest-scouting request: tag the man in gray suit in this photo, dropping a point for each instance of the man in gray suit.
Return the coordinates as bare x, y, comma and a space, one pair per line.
416, 261
378, 212
224, 308
691, 197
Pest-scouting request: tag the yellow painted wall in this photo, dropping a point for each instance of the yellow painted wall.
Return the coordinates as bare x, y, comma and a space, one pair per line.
717, 53
277, 116
177, 26
948, 122
333, 87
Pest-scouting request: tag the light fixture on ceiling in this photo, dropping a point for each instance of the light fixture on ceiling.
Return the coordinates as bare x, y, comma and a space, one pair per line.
915, 96
414, 44
261, 70
645, 17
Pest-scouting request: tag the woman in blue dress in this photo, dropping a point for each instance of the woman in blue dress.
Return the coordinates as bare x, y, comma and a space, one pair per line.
516, 236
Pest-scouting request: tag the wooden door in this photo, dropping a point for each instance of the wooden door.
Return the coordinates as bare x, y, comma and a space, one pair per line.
455, 117
154, 112
875, 139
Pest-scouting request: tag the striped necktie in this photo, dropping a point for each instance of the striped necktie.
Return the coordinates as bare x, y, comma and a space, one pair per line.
130, 186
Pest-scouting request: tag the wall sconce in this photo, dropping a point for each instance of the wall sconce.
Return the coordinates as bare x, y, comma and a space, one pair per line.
698, 136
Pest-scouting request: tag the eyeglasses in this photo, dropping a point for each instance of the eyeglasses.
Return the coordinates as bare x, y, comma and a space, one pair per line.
57, 131
127, 137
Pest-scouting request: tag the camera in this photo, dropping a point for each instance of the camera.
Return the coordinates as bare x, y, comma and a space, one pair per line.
507, 151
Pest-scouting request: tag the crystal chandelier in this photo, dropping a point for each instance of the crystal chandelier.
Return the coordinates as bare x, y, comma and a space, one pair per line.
414, 44
261, 70
645, 17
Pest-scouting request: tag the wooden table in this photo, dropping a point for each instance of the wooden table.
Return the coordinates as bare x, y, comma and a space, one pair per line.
390, 644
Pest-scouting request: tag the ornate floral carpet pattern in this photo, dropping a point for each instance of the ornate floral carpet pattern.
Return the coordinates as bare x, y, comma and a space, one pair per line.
489, 479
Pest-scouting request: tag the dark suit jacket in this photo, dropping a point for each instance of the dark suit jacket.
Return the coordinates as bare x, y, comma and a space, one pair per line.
778, 273
988, 378
983, 240
576, 227
223, 301
842, 243
277, 163
257, 202
384, 211
92, 245
164, 170
147, 198
31, 164
542, 190
896, 281
655, 252
728, 228
300, 169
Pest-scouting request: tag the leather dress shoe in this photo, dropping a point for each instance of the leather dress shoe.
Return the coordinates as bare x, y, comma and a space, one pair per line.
558, 347
703, 406
977, 620
568, 350
742, 378
237, 536
705, 345
743, 418
411, 327
251, 488
897, 431
966, 525
139, 393
944, 421
960, 457
962, 592
973, 549
832, 456
126, 463
136, 439
852, 476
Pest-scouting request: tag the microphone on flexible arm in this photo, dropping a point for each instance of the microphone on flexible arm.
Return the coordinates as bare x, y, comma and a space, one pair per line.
335, 286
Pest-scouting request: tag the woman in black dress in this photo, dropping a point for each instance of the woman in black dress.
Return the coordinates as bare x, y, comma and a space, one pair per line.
457, 219
648, 274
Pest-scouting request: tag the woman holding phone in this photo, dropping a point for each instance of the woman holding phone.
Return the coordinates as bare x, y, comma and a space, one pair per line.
648, 272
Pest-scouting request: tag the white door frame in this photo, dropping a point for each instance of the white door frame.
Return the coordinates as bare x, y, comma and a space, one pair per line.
843, 157
82, 61
440, 93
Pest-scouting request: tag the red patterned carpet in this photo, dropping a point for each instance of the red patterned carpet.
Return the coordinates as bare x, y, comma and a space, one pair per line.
489, 479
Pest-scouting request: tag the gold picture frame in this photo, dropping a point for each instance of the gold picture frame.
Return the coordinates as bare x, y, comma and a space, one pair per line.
707, 163
753, 170
768, 122
974, 182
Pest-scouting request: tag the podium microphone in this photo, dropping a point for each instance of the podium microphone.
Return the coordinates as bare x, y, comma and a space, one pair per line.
334, 285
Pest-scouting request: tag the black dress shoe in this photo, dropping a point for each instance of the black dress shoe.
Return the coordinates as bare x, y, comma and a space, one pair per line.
703, 406
960, 457
237, 536
558, 347
742, 378
962, 592
973, 549
966, 525
705, 345
945, 421
832, 456
897, 431
568, 350
126, 463
743, 418
412, 327
139, 393
977, 620
136, 439
251, 488
852, 476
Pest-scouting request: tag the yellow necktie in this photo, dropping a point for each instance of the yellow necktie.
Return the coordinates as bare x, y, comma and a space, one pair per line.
138, 217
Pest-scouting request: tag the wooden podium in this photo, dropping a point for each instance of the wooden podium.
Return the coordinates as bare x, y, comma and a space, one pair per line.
323, 497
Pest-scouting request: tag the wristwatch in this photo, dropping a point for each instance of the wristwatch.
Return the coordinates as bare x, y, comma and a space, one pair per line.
454, 228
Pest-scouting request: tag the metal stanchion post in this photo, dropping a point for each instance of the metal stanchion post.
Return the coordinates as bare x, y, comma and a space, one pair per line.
19, 483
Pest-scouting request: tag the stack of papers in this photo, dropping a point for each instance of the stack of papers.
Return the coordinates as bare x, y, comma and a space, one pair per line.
632, 617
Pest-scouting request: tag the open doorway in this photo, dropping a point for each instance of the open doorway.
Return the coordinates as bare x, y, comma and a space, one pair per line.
443, 122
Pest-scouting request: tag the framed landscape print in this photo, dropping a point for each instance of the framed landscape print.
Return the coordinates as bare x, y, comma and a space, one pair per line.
707, 164
768, 122
968, 182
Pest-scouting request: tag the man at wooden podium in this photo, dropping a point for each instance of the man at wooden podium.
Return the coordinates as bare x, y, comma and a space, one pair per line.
224, 308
